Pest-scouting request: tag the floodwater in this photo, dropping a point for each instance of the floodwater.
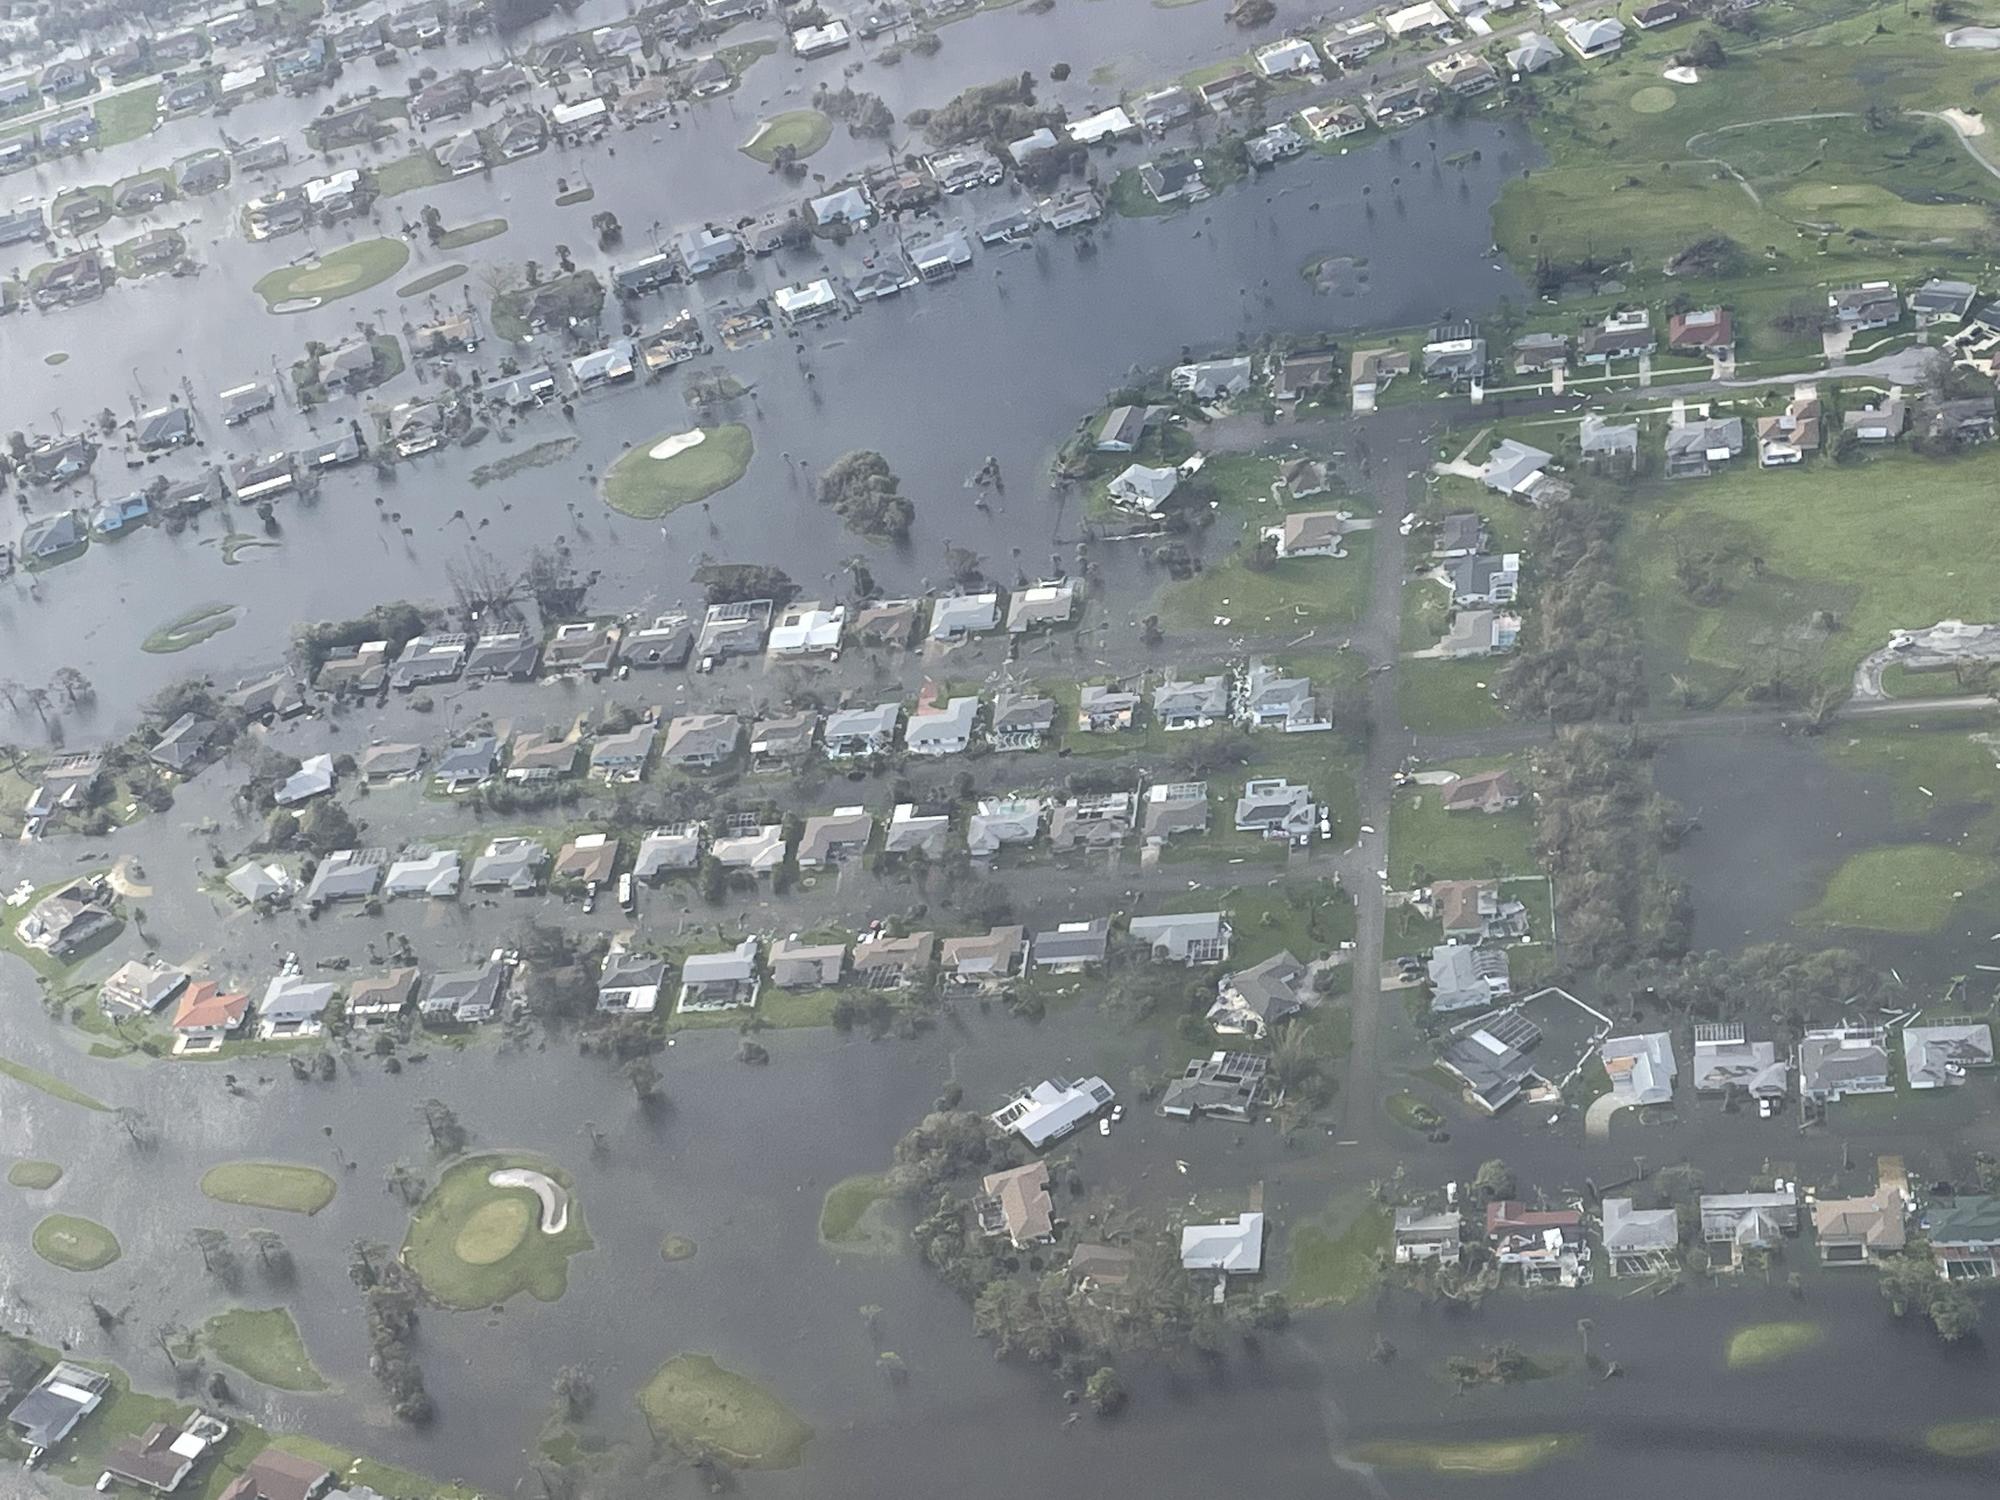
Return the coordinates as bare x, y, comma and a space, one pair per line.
1777, 817
1003, 361
739, 1164
991, 364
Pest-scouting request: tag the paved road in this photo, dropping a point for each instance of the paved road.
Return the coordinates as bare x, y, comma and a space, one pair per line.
1377, 637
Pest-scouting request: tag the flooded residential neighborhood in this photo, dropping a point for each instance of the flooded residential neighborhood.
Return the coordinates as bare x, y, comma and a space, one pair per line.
824, 751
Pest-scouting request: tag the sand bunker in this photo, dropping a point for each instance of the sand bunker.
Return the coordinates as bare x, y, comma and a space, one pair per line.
680, 442
555, 1201
1681, 75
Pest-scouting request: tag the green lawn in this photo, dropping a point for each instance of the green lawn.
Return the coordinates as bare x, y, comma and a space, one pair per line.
409, 174
1900, 541
640, 485
1301, 592
75, 1244
339, 273
34, 1175
265, 1346
1427, 843
453, 1238
471, 234
1907, 888
127, 116
1766, 1343
1448, 697
738, 56
1469, 1457
48, 1083
693, 1401
190, 629
266, 1184
847, 1203
803, 130
1333, 1259
430, 281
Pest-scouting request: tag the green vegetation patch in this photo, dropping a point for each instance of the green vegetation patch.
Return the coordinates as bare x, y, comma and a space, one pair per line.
1427, 843
471, 234
494, 1231
639, 484
75, 1244
191, 629
127, 116
336, 274
1435, 696
1802, 574
1909, 888
57, 358
48, 1083
34, 1175
1408, 1110
1766, 1343
430, 281
845, 1217
1301, 592
802, 131
676, 1247
265, 1345
269, 1184
1490, 1456
1332, 1264
409, 174
698, 1404
1973, 1438
454, 1223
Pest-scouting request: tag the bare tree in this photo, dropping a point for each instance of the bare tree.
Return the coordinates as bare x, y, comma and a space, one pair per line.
137, 1126
218, 1256
448, 1137
406, 1182
272, 1253
576, 1390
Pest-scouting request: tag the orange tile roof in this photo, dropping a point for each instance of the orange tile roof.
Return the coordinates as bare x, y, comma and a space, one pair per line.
205, 1005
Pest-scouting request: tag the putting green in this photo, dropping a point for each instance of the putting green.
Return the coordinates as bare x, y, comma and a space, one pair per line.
75, 1244
1491, 1456
34, 1175
804, 130
1767, 1343
676, 1247
1973, 1438
694, 1401
269, 1184
475, 1245
1654, 99
494, 1232
693, 466
191, 629
338, 273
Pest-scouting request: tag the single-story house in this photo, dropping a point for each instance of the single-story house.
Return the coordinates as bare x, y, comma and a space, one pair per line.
1053, 1109
1070, 947
1250, 1002
1189, 938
